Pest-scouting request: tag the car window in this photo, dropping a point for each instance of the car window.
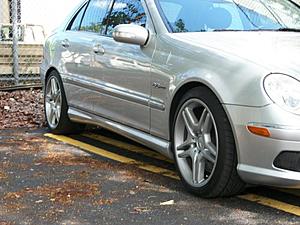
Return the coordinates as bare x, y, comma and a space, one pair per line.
220, 15
76, 21
94, 15
171, 10
125, 12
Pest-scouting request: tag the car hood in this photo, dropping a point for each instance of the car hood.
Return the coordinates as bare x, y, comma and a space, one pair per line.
278, 52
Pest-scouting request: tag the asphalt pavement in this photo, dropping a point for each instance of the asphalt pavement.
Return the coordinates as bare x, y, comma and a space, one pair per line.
101, 178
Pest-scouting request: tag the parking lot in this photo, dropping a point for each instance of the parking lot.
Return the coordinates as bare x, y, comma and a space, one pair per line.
101, 178
151, 61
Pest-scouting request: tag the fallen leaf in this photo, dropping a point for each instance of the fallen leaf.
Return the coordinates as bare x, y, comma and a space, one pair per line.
141, 209
171, 202
22, 108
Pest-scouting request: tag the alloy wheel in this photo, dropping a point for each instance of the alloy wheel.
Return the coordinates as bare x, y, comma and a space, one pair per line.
196, 142
53, 100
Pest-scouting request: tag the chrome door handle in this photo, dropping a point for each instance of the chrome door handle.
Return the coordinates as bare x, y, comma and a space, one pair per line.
65, 43
98, 49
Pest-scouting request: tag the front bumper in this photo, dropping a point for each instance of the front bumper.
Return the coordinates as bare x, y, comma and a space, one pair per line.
256, 154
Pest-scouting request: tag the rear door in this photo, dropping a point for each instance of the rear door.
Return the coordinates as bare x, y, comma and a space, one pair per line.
80, 47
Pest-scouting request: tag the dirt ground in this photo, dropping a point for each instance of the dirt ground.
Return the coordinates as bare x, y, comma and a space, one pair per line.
21, 109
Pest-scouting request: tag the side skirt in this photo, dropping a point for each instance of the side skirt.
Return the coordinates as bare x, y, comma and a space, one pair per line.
157, 144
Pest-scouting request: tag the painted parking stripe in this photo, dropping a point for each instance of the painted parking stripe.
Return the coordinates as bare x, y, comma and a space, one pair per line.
126, 146
126, 153
151, 154
272, 203
115, 157
289, 208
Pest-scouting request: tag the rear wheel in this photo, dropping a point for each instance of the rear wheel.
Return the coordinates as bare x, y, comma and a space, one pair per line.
204, 147
56, 108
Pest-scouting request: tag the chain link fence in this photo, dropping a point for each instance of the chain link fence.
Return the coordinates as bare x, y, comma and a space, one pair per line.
21, 47
24, 26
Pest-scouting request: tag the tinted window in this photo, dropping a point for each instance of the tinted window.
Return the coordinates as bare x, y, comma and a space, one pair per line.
125, 12
219, 15
75, 24
94, 15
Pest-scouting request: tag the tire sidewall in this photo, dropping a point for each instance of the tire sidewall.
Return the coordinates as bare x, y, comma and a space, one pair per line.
64, 106
220, 175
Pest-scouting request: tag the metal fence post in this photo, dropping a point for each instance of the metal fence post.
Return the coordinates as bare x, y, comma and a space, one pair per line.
15, 34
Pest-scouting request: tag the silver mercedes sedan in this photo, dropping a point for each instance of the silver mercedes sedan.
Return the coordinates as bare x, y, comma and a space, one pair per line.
212, 84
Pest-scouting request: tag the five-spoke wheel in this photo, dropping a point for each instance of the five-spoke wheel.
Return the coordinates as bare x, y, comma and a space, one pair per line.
203, 145
56, 107
53, 102
196, 142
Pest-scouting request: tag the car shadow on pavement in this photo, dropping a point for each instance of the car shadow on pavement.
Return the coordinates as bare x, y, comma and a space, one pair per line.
44, 181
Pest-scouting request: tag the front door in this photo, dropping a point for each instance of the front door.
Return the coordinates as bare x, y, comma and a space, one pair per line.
125, 85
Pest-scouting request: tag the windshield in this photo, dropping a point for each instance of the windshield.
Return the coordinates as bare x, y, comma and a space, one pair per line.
230, 15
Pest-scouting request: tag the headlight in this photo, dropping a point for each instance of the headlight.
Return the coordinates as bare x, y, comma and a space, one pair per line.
284, 91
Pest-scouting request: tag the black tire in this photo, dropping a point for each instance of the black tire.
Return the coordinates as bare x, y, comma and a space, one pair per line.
224, 180
64, 125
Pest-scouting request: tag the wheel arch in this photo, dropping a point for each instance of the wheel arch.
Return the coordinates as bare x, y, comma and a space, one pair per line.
47, 74
180, 91
177, 97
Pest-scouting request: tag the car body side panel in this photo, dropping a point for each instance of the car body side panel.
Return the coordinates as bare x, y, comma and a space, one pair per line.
52, 54
177, 63
78, 73
126, 93
125, 78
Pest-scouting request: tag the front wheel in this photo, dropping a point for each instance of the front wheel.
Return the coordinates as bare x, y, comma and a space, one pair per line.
204, 147
56, 107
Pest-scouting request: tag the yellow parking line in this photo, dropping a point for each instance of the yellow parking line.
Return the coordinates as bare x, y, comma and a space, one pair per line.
292, 209
272, 203
126, 146
151, 154
113, 156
